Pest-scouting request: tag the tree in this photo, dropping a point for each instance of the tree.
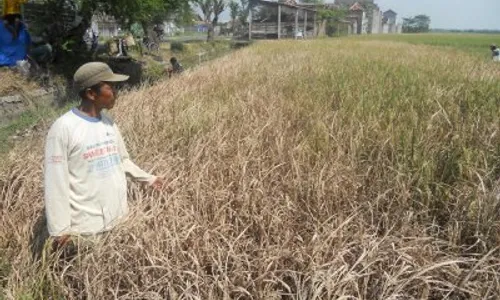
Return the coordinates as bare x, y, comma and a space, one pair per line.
423, 23
211, 9
244, 11
61, 23
128, 12
417, 24
264, 13
185, 14
234, 9
332, 17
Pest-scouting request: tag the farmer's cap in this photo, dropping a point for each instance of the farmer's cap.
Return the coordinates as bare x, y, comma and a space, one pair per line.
92, 73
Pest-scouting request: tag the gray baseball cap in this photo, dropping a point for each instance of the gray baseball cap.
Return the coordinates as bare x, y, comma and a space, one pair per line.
92, 73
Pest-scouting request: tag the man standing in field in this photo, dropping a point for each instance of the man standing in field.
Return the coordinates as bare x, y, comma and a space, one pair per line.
495, 52
86, 162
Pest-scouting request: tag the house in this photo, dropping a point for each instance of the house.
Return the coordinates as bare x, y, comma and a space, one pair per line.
366, 17
390, 16
201, 26
389, 22
352, 2
282, 19
376, 21
105, 25
170, 28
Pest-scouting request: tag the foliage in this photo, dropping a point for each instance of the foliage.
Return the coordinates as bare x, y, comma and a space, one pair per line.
64, 21
234, 10
483, 31
177, 46
136, 30
417, 24
332, 17
60, 22
128, 12
244, 11
211, 9
267, 14
185, 15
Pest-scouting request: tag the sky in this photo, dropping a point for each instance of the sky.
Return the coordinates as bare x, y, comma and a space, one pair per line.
445, 14
449, 14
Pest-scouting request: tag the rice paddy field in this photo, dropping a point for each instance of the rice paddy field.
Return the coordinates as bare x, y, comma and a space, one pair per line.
477, 44
352, 168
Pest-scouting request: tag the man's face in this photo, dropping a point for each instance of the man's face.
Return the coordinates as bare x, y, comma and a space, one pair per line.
105, 97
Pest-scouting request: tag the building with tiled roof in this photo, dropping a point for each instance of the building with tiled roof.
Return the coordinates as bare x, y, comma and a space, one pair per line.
356, 7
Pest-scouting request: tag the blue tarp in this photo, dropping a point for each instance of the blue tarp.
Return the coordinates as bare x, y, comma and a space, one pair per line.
11, 50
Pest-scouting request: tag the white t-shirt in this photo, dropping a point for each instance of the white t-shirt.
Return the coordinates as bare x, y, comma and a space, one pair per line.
496, 54
85, 183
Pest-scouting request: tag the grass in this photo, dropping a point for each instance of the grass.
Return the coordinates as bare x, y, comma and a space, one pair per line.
329, 169
12, 82
189, 57
38, 115
473, 43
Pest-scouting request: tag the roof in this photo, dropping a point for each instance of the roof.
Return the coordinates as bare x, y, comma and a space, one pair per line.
319, 5
272, 3
390, 12
356, 6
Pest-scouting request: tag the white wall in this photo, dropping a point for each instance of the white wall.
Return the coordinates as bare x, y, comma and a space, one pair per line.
377, 22
364, 24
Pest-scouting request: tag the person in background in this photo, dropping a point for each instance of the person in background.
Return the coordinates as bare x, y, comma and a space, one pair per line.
13, 50
12, 16
176, 67
158, 29
41, 49
94, 31
495, 52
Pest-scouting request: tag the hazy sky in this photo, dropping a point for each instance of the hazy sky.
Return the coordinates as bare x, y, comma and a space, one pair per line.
447, 14
450, 14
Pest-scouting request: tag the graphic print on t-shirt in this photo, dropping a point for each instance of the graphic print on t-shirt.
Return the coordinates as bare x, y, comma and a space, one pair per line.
102, 157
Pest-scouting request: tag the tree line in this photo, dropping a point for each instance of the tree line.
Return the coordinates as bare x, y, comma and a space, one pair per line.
129, 14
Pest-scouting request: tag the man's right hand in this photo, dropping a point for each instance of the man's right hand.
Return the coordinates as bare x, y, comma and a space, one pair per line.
61, 241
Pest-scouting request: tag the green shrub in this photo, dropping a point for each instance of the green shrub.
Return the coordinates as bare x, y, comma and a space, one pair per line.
240, 44
177, 46
154, 71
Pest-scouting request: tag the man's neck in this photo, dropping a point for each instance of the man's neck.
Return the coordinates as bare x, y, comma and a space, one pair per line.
90, 109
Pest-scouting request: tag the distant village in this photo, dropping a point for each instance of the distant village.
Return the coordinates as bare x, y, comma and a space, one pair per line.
364, 17
296, 19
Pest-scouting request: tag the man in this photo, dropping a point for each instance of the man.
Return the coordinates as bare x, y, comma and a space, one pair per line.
495, 52
86, 162
12, 16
